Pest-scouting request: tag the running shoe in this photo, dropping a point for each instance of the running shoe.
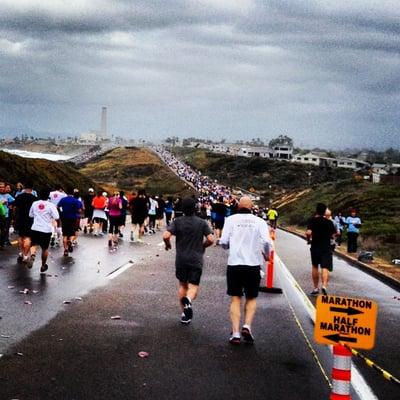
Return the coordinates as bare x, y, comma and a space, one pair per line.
187, 307
44, 268
70, 247
31, 260
20, 258
185, 320
323, 290
85, 230
65, 253
120, 235
247, 336
52, 241
110, 243
234, 340
315, 292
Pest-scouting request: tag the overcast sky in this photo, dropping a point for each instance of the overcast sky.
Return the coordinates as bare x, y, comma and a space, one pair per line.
326, 73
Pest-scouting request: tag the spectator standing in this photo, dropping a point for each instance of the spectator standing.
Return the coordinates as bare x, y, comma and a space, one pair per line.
340, 222
6, 199
353, 223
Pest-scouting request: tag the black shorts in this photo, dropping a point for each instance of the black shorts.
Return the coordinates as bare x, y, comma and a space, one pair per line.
114, 224
89, 213
138, 219
189, 274
219, 223
243, 279
24, 230
41, 239
322, 258
68, 226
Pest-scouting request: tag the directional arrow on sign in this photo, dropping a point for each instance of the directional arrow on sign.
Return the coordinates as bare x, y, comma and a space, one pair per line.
348, 310
337, 338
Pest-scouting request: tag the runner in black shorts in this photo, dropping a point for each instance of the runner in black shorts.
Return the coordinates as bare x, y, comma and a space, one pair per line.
190, 231
23, 222
44, 214
247, 238
243, 279
320, 232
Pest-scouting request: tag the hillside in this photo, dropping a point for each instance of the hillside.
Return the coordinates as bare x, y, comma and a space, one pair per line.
269, 178
132, 169
378, 206
42, 173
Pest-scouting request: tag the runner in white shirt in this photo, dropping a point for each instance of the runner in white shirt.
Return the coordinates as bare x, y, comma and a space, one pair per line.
54, 198
44, 213
247, 238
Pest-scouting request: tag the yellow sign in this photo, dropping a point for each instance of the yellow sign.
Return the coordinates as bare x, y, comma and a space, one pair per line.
346, 320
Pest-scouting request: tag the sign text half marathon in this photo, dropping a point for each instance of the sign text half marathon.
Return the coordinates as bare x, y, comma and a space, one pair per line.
347, 320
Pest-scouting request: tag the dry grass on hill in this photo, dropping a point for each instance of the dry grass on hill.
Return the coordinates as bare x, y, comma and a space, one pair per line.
132, 169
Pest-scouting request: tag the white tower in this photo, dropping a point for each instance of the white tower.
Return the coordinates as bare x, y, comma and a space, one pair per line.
103, 129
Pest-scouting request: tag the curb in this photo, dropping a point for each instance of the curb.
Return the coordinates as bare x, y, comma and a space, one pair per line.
382, 276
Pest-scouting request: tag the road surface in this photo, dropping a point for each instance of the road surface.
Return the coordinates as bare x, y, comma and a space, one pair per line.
76, 351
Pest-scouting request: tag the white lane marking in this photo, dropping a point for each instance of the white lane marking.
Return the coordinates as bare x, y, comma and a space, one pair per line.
358, 382
120, 270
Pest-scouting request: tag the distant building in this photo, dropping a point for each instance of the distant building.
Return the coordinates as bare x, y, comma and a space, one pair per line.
315, 159
91, 137
352, 163
95, 136
263, 152
283, 152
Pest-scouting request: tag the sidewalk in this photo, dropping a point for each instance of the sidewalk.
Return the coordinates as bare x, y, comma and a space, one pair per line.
83, 354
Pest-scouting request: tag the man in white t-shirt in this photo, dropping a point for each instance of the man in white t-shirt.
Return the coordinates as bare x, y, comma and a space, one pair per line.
55, 197
44, 213
247, 238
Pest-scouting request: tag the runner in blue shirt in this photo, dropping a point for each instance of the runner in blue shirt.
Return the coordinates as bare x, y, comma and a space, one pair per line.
69, 208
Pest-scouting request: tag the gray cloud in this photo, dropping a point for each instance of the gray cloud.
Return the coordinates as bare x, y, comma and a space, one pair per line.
326, 74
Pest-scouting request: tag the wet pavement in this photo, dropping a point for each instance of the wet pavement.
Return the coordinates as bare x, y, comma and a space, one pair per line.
77, 351
66, 279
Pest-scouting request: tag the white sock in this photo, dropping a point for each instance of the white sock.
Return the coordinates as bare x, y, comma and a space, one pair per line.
247, 326
236, 334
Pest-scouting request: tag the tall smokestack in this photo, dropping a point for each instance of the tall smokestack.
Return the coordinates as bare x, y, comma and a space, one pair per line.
103, 130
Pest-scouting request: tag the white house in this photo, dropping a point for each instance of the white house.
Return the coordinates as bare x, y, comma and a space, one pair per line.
283, 152
263, 152
351, 163
308, 158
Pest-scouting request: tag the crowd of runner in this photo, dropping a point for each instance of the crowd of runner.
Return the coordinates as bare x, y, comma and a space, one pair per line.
50, 218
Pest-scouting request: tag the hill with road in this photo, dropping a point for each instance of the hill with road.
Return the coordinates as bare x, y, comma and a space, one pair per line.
42, 173
133, 168
269, 178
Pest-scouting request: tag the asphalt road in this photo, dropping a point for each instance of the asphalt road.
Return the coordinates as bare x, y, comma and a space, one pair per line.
84, 354
76, 351
348, 281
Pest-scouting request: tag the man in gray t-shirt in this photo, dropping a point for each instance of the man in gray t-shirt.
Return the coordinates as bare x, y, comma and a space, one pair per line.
190, 232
